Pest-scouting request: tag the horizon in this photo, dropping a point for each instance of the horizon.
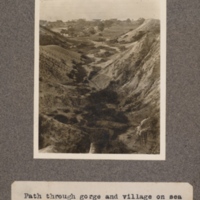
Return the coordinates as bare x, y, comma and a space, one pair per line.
89, 20
67, 10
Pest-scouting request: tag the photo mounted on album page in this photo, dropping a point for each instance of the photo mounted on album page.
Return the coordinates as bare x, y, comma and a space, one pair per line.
100, 79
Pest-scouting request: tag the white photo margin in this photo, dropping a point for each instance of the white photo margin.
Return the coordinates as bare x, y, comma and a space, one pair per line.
161, 156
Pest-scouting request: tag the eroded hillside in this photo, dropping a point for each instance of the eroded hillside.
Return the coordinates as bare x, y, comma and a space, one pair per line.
101, 94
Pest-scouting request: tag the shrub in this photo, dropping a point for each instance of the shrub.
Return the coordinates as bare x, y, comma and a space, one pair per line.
115, 146
104, 96
61, 118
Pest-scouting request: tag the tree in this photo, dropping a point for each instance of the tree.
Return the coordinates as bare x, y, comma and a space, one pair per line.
71, 30
92, 30
101, 26
108, 23
63, 31
128, 20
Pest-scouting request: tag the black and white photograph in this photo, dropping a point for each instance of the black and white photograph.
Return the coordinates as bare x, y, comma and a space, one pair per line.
100, 79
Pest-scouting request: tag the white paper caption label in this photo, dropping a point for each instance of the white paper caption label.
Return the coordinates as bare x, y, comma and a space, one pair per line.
101, 191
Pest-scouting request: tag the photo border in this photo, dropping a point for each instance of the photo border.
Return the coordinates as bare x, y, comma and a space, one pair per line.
161, 156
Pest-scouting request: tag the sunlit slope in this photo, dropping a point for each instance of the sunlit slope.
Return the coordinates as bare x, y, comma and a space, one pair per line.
135, 76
